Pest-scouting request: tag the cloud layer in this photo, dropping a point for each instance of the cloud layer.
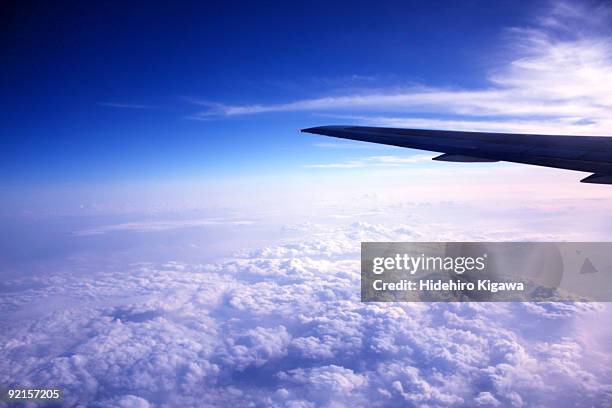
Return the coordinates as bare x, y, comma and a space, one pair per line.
283, 326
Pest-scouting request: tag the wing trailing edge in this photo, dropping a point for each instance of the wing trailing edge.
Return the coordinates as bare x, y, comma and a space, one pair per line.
597, 179
461, 158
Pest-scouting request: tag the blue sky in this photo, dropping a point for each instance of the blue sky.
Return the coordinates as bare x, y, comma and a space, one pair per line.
110, 100
106, 92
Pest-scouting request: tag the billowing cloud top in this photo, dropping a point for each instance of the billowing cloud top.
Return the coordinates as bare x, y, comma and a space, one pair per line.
283, 326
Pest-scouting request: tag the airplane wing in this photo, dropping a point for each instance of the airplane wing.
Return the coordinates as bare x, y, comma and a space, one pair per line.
591, 154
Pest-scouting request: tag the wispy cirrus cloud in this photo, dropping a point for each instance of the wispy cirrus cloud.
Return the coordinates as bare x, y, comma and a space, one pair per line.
557, 77
375, 161
158, 225
126, 105
350, 146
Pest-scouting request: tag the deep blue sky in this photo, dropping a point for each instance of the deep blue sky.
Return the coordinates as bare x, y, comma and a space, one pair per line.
63, 61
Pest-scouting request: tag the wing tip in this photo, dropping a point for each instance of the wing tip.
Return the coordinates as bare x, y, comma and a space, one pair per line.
324, 130
309, 130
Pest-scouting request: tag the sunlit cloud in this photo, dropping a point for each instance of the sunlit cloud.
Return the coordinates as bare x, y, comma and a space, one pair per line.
288, 314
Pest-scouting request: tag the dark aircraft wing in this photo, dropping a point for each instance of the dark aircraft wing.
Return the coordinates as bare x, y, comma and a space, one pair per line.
591, 154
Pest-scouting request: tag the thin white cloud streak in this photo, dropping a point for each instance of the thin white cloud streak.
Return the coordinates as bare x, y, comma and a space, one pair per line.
160, 225
375, 161
559, 75
126, 105
351, 146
